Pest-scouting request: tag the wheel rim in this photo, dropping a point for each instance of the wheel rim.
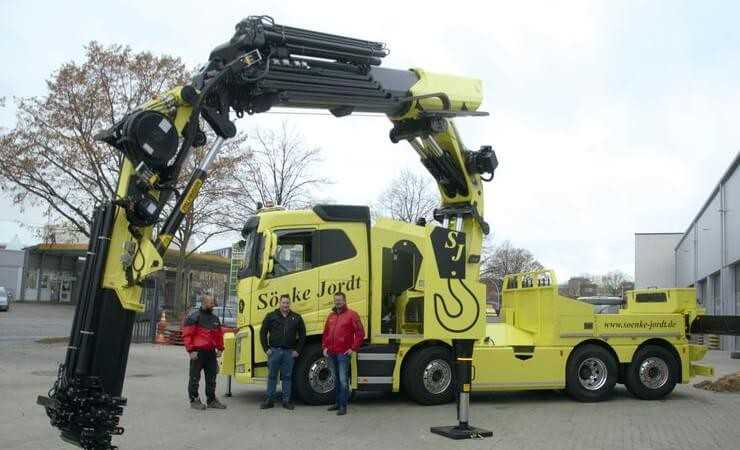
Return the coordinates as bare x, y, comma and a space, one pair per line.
654, 373
320, 376
592, 374
437, 376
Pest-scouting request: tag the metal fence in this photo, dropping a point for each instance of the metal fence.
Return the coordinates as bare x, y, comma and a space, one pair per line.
145, 324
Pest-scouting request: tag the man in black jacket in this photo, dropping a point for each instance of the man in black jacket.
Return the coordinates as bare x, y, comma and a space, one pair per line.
282, 335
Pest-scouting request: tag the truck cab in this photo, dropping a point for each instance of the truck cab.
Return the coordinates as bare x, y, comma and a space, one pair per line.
388, 272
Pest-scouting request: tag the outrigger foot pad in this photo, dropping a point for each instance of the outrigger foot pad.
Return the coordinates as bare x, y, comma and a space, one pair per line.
461, 431
86, 416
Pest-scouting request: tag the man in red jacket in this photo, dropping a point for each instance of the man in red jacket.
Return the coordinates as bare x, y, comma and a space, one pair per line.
343, 335
204, 342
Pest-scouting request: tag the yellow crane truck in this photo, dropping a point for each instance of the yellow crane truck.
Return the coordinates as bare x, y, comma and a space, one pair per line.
416, 286
541, 340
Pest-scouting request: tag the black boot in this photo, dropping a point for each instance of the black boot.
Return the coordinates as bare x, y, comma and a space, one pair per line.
267, 404
215, 404
342, 411
333, 408
196, 404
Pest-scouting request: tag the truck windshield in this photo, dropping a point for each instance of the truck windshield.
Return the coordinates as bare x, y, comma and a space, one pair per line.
249, 260
250, 249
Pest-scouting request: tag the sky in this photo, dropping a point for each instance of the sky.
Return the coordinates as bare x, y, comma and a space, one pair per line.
608, 118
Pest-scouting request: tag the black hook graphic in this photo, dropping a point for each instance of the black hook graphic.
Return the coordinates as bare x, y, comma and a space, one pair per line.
438, 298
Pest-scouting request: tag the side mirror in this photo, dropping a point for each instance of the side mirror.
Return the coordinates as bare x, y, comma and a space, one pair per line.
268, 254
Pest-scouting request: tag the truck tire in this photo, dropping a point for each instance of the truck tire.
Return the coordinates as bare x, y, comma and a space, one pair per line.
429, 376
653, 373
591, 374
313, 380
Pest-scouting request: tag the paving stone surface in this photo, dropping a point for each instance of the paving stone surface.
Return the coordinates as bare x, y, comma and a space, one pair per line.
158, 416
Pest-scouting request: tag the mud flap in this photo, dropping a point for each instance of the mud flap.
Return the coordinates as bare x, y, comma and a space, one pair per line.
700, 370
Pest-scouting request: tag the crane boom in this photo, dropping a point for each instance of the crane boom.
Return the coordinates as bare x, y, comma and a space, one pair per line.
302, 68
263, 65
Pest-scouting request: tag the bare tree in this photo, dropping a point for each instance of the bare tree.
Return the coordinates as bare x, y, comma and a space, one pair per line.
280, 170
583, 285
409, 197
210, 216
50, 159
613, 283
503, 260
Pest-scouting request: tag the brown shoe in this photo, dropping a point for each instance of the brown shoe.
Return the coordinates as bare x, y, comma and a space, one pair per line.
197, 404
215, 404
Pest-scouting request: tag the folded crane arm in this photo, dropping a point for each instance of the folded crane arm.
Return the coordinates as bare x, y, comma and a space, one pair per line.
264, 65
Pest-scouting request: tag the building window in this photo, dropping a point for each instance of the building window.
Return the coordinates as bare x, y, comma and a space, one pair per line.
714, 306
737, 292
737, 301
31, 280
701, 291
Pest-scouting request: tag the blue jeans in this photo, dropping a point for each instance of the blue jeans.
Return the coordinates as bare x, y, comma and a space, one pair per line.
280, 359
340, 363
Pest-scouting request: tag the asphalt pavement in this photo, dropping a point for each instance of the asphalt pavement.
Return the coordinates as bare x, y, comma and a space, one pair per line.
158, 416
33, 321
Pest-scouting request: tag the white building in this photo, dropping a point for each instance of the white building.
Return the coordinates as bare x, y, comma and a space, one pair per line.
706, 256
655, 264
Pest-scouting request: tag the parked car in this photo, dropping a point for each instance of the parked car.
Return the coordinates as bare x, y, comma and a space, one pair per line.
4, 299
604, 304
224, 313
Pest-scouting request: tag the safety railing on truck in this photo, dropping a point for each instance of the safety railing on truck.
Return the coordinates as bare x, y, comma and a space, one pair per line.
535, 279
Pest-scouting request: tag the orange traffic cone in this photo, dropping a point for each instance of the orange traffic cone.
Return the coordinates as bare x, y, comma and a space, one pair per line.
161, 327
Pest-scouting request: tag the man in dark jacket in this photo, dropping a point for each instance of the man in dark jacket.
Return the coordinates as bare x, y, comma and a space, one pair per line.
282, 335
204, 342
343, 335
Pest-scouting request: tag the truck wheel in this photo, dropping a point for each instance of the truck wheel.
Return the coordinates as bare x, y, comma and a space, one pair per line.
313, 379
653, 373
429, 376
591, 374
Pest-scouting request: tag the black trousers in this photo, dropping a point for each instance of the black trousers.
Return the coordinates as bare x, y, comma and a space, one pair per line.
206, 361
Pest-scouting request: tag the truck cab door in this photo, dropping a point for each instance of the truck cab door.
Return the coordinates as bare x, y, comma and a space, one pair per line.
344, 261
288, 269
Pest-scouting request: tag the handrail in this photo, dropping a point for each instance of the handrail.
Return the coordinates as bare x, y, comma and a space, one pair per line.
544, 278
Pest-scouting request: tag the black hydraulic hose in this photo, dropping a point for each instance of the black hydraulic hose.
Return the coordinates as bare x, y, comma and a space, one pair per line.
287, 33
312, 80
326, 88
334, 69
82, 300
301, 41
87, 341
332, 54
190, 130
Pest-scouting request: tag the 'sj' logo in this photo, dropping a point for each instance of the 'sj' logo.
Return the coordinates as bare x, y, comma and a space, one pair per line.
452, 243
449, 252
